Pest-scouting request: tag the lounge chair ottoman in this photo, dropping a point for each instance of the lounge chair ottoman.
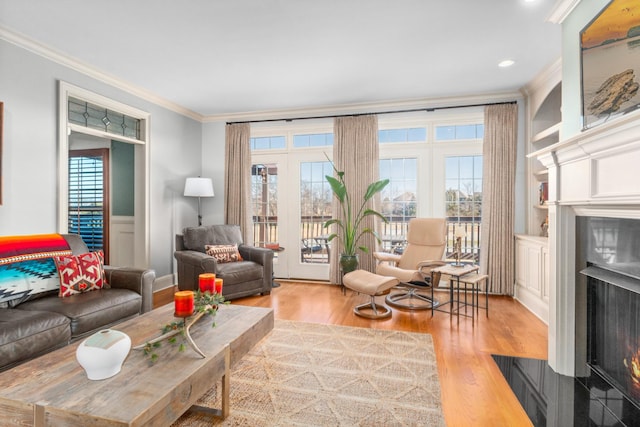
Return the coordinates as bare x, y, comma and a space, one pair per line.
373, 285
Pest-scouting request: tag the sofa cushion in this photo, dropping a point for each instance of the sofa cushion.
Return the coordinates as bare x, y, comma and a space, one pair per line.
25, 334
223, 253
91, 310
79, 273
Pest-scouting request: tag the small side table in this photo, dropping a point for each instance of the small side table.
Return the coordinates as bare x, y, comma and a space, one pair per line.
455, 304
275, 247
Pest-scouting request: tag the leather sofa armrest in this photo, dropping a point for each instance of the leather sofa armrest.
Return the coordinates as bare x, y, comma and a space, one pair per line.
135, 279
262, 256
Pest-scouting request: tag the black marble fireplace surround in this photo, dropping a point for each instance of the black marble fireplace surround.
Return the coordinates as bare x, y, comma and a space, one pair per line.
606, 390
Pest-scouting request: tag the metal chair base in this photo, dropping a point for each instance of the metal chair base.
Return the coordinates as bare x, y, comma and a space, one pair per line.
411, 299
371, 310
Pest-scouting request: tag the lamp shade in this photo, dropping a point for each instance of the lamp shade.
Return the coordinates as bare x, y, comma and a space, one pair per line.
198, 187
460, 232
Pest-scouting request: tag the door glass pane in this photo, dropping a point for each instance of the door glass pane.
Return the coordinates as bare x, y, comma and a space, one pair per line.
315, 209
463, 201
399, 200
86, 199
264, 203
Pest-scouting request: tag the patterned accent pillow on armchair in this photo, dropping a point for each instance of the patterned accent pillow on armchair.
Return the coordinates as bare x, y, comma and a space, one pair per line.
82, 273
223, 253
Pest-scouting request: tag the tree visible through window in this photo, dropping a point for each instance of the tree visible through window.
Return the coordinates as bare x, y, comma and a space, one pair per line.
399, 199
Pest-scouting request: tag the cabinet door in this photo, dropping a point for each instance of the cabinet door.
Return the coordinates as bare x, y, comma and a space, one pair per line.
521, 263
533, 269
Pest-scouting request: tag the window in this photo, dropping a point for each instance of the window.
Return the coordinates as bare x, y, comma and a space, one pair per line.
398, 200
402, 135
95, 117
424, 175
88, 207
464, 202
313, 140
264, 202
458, 132
315, 210
268, 143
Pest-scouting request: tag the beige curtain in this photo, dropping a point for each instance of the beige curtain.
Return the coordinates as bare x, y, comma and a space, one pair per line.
237, 180
355, 151
497, 256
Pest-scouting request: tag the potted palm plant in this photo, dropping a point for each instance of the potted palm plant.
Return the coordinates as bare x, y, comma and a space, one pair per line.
348, 228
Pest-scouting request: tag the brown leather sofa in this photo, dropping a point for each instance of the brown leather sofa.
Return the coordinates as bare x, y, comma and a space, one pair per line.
40, 325
251, 276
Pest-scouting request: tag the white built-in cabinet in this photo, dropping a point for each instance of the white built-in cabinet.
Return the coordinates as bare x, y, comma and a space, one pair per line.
532, 274
544, 102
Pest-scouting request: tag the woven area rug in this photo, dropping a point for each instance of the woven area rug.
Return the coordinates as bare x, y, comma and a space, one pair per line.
305, 374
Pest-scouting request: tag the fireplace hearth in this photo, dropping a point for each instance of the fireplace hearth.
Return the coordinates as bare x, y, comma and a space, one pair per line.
551, 399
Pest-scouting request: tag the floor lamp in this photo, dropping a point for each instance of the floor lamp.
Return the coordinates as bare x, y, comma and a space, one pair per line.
198, 187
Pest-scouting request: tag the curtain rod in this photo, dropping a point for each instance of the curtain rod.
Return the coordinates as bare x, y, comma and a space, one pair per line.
427, 109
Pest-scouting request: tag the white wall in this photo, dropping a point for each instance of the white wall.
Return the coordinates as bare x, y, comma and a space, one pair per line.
29, 90
213, 137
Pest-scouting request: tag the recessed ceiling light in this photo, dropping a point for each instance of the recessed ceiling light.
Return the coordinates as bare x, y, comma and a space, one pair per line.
506, 63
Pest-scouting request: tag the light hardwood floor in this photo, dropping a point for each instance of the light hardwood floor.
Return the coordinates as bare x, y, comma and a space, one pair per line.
474, 393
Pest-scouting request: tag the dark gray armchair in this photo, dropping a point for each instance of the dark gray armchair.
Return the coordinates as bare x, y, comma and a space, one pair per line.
252, 275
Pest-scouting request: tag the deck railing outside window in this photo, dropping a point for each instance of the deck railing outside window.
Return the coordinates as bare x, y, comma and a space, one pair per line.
314, 247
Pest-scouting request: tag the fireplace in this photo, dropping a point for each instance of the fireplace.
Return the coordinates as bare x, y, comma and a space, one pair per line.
609, 248
613, 339
604, 389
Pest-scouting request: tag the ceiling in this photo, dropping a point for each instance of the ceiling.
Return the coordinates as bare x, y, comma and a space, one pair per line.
220, 58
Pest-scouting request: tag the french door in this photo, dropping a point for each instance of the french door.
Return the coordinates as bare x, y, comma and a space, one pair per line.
291, 200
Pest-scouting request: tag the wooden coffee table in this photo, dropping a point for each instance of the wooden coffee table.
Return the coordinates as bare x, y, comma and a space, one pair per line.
54, 389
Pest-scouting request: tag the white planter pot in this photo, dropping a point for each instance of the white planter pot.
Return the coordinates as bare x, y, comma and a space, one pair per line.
102, 354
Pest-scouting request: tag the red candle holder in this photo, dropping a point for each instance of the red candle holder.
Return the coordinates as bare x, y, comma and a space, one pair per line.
206, 282
218, 288
184, 303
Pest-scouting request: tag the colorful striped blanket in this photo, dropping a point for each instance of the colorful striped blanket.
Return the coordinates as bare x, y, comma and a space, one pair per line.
27, 267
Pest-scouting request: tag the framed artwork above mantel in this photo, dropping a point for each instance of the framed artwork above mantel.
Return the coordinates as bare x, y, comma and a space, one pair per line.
610, 63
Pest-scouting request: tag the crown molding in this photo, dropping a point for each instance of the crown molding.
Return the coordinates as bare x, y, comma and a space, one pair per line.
47, 52
550, 76
361, 108
561, 10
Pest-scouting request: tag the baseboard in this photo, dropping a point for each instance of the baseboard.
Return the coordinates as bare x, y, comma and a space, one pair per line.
533, 303
163, 282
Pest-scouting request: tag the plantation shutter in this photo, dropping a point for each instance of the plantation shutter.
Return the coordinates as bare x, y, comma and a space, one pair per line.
87, 207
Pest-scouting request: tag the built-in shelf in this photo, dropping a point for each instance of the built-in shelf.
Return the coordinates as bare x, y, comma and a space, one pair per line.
551, 133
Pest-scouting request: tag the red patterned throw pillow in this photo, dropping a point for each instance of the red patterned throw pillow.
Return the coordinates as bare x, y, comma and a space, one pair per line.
82, 273
223, 253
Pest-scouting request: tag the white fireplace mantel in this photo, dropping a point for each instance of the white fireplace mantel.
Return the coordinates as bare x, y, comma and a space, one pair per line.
595, 173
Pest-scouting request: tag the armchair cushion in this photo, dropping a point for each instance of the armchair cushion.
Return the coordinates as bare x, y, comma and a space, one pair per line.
196, 238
